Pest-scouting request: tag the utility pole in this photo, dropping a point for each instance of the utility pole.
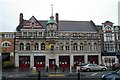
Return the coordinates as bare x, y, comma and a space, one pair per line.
70, 55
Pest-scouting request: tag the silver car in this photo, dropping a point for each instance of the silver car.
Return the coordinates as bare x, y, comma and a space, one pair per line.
91, 67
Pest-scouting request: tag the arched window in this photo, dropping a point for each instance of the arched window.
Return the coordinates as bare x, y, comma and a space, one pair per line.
6, 44
75, 46
21, 46
89, 46
42, 46
27, 46
81, 46
52, 47
95, 46
61, 46
67, 46
108, 27
36, 46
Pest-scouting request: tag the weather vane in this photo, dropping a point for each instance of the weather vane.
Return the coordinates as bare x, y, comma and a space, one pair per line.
52, 10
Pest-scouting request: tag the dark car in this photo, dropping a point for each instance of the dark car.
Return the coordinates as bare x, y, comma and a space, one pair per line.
116, 66
4, 78
112, 76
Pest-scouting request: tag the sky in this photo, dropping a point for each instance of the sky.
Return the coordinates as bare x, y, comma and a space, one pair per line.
98, 11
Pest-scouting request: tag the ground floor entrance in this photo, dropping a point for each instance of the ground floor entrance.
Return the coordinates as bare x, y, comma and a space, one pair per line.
5, 57
52, 63
64, 62
24, 61
78, 60
39, 61
93, 59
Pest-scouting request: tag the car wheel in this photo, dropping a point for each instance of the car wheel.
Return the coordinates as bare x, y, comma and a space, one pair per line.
104, 69
88, 69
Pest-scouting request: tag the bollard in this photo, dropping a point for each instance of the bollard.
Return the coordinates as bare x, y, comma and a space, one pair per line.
39, 75
78, 75
34, 70
47, 68
63, 70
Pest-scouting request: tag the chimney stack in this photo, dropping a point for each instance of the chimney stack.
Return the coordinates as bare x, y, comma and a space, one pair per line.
21, 18
57, 20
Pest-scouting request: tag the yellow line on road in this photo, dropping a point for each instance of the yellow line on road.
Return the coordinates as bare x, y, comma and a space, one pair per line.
55, 74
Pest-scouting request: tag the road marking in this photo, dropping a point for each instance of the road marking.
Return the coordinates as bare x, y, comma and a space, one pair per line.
51, 75
93, 74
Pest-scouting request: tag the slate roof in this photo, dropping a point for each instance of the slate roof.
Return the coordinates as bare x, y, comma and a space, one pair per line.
87, 26
77, 26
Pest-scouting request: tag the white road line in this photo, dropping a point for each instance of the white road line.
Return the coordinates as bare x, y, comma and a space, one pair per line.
93, 74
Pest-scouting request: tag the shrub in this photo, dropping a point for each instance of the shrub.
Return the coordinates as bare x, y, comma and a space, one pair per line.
8, 64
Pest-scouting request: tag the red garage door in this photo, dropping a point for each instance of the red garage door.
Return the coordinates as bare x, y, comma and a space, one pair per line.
39, 62
93, 59
24, 61
64, 61
77, 60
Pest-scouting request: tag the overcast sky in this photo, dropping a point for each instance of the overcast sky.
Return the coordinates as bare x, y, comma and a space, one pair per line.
80, 10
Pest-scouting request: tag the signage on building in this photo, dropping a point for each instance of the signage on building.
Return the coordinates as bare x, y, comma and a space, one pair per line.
118, 54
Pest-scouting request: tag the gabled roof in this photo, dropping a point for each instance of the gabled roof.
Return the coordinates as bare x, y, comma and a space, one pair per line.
27, 23
84, 26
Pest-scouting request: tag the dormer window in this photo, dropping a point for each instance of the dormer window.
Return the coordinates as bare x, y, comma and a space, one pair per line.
33, 24
116, 29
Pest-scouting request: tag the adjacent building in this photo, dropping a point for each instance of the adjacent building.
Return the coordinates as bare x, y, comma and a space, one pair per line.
44, 43
7, 46
109, 43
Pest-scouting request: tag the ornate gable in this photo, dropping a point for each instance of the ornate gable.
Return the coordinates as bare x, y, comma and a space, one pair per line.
32, 23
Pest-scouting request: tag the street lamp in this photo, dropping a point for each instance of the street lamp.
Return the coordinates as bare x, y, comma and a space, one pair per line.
70, 56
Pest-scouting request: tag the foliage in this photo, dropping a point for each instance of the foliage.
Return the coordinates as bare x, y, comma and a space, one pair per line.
8, 64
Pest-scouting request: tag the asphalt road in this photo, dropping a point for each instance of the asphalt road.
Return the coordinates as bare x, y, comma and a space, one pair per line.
94, 75
53, 78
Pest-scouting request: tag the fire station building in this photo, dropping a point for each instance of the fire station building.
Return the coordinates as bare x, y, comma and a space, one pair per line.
44, 43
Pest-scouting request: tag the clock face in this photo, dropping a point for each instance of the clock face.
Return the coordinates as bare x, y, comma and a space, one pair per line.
51, 27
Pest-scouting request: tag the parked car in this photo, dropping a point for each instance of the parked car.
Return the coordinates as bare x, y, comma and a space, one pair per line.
91, 67
115, 66
79, 66
82, 64
112, 76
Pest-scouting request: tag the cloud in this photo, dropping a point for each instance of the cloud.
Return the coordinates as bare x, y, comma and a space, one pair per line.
97, 10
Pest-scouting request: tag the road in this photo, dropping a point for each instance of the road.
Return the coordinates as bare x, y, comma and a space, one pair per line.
94, 75
54, 78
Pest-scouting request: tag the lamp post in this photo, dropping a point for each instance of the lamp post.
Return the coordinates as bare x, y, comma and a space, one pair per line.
70, 56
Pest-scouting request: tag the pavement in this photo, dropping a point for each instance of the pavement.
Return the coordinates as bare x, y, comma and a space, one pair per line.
17, 72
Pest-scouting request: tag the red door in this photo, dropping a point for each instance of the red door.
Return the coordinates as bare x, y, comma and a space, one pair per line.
51, 63
93, 59
24, 61
64, 62
78, 60
39, 62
